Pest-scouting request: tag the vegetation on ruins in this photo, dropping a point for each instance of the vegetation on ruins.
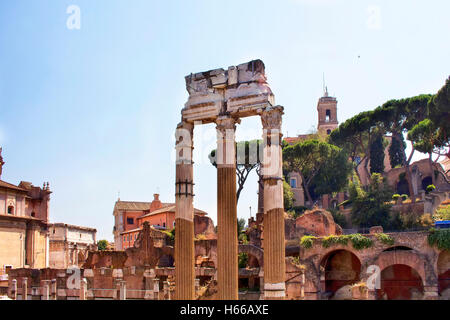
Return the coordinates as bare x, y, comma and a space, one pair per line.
242, 260
371, 207
385, 238
323, 167
307, 241
170, 234
439, 238
332, 240
288, 197
102, 245
357, 240
442, 212
296, 262
430, 188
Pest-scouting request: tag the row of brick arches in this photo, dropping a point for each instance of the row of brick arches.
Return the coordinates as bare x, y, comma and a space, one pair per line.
402, 273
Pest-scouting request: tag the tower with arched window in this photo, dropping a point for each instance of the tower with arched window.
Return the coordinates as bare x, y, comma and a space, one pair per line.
327, 112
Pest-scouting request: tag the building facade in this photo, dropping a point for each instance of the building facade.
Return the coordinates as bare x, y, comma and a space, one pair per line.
24, 212
69, 245
129, 216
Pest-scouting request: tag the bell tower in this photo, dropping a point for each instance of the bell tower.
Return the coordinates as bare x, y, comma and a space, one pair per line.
327, 111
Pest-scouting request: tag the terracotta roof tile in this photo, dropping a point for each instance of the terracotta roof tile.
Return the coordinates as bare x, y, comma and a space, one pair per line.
4, 184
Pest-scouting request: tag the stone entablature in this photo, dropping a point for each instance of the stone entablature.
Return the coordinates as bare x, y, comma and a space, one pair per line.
240, 91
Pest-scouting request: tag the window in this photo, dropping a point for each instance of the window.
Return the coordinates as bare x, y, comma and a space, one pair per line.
328, 131
164, 224
124, 238
293, 183
130, 221
327, 115
34, 214
10, 210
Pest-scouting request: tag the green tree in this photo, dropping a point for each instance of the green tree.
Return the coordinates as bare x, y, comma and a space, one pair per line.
377, 154
102, 245
318, 163
356, 135
247, 159
240, 226
439, 113
371, 207
288, 196
397, 155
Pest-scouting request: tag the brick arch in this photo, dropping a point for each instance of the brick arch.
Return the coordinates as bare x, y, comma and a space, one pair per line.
326, 253
443, 270
408, 258
339, 267
254, 251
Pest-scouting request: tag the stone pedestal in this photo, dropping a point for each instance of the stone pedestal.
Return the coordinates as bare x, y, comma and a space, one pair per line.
227, 239
184, 214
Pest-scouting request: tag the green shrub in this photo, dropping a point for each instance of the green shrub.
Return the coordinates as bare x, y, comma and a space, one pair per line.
331, 240
359, 241
242, 260
439, 238
385, 238
395, 196
442, 213
431, 188
404, 197
307, 241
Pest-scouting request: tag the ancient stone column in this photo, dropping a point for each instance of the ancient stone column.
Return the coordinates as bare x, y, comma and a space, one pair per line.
54, 289
156, 288
83, 289
14, 289
274, 251
46, 290
184, 214
227, 239
123, 290
24, 288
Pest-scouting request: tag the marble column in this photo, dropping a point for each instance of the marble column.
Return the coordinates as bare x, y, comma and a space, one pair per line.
227, 238
274, 247
184, 214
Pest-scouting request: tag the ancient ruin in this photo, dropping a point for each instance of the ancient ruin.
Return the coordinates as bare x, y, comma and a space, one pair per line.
223, 97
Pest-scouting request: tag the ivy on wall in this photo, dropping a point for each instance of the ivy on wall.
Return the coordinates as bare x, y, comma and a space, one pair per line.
439, 238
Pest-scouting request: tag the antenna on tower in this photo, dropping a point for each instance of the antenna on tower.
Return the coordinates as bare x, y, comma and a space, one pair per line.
323, 82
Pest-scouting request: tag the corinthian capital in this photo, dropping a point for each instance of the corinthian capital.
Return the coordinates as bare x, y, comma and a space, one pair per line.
225, 124
271, 117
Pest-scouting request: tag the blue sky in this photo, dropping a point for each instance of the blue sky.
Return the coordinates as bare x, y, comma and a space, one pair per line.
93, 111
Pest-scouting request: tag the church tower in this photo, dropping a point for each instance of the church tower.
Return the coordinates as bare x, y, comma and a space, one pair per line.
327, 110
